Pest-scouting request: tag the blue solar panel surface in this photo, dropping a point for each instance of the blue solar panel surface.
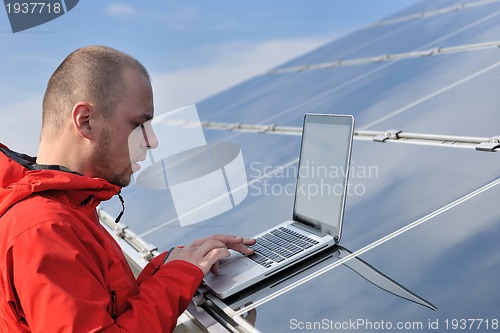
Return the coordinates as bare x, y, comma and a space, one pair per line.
452, 259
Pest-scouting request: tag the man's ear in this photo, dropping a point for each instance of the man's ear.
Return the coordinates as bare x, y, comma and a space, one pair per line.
82, 118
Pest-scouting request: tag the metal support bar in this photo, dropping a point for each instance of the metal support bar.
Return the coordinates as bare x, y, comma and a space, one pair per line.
478, 143
385, 57
429, 13
146, 251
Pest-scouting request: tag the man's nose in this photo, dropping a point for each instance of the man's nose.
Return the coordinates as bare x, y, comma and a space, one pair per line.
153, 140
149, 135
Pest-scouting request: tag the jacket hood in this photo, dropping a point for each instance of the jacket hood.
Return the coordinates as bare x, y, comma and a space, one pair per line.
21, 177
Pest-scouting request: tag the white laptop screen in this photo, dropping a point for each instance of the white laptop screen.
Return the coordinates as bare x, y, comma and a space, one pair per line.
323, 171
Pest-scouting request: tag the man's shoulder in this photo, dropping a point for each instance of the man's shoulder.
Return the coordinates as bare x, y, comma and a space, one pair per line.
40, 211
42, 205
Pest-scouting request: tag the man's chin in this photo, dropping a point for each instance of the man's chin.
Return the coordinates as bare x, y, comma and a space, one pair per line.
122, 180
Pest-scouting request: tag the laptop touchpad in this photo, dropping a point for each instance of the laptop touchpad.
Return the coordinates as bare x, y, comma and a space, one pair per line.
233, 264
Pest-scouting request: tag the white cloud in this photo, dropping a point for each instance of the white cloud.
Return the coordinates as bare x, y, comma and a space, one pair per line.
120, 10
234, 63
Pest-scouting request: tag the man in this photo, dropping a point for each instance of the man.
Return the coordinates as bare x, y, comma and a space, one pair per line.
61, 271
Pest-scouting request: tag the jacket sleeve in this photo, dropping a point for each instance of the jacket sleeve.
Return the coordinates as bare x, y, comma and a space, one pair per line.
183, 280
60, 287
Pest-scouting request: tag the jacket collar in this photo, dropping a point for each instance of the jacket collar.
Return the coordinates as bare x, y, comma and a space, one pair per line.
20, 177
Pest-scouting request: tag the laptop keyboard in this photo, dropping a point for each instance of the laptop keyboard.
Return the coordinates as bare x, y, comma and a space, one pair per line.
278, 245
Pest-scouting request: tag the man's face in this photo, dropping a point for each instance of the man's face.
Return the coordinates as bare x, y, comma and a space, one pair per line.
127, 134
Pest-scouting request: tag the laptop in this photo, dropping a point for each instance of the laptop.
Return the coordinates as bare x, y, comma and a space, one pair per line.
318, 209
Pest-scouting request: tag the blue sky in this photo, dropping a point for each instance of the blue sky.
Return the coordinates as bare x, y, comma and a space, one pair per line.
193, 49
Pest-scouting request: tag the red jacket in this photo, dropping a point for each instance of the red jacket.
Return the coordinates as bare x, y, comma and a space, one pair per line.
62, 272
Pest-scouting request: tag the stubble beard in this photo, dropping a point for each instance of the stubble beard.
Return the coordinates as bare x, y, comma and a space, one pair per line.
102, 164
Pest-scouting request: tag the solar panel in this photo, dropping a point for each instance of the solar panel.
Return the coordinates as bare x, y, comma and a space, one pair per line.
392, 185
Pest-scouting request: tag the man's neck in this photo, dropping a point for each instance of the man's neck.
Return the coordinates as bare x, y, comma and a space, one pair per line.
59, 153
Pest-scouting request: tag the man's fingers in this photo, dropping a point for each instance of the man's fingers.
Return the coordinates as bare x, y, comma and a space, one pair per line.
215, 268
211, 260
236, 243
228, 239
243, 249
198, 242
215, 254
249, 241
209, 245
206, 252
243, 246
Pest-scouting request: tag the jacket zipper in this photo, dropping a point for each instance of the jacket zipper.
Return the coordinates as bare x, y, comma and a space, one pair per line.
113, 305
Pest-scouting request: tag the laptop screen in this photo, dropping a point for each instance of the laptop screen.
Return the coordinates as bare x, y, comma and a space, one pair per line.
323, 171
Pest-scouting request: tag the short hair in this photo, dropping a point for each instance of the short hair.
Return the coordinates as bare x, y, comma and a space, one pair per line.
91, 73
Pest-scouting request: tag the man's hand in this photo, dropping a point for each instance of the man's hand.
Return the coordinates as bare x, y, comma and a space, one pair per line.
206, 252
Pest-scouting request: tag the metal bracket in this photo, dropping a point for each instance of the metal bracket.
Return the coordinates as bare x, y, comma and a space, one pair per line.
234, 127
268, 128
119, 229
199, 299
148, 251
490, 145
388, 135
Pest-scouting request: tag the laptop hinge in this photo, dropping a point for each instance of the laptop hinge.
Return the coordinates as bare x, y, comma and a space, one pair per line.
308, 229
